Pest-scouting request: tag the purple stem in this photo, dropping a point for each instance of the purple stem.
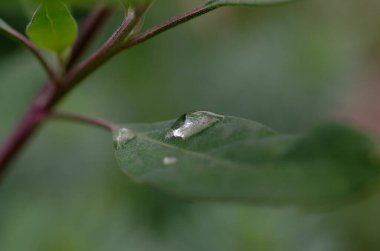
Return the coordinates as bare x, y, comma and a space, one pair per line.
91, 25
37, 53
83, 119
28, 125
156, 30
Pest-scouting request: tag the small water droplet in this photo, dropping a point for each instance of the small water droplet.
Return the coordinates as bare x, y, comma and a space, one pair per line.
167, 161
122, 137
193, 123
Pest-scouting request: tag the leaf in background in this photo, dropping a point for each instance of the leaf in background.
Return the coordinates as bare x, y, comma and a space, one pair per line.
219, 3
226, 158
134, 3
52, 26
29, 7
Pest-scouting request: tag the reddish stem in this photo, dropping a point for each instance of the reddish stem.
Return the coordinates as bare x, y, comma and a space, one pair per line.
106, 52
28, 125
91, 25
32, 48
156, 30
83, 119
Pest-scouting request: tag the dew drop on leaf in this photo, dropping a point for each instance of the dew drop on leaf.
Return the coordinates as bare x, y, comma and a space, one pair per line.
193, 123
167, 161
122, 137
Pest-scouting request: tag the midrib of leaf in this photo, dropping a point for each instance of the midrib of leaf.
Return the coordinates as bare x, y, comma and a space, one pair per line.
237, 142
51, 22
196, 154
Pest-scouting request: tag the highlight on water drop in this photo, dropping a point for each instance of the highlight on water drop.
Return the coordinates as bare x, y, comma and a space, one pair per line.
193, 123
122, 137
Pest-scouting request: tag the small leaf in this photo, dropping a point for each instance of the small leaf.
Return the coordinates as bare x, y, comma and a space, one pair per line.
206, 156
52, 26
219, 3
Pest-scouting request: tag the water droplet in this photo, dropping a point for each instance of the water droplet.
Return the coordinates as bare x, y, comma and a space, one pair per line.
122, 137
167, 161
193, 123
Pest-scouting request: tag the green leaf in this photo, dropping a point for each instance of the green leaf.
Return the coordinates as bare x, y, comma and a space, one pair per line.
52, 26
219, 3
206, 156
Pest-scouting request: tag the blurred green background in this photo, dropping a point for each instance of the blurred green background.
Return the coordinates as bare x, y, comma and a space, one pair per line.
289, 67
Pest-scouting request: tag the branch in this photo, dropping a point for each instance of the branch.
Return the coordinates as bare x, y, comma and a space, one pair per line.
91, 25
12, 33
152, 32
29, 124
106, 52
83, 119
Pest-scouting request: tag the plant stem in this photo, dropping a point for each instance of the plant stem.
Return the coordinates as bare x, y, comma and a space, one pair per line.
106, 52
37, 53
83, 119
29, 124
91, 25
154, 31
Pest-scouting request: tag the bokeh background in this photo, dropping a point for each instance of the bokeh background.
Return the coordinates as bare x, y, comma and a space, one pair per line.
290, 67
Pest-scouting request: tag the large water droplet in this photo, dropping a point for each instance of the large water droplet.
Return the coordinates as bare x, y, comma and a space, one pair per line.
193, 123
122, 137
167, 161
